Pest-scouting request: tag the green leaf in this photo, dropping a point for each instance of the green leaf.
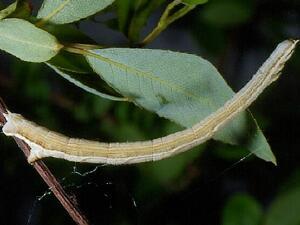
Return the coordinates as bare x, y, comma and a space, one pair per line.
242, 209
84, 81
68, 11
285, 209
133, 15
194, 2
181, 87
124, 8
142, 12
8, 10
76, 70
27, 42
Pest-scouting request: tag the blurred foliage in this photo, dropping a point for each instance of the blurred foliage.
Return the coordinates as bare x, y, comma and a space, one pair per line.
283, 210
242, 209
227, 14
194, 188
133, 15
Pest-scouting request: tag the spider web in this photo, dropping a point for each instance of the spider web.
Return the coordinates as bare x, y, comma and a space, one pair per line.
68, 183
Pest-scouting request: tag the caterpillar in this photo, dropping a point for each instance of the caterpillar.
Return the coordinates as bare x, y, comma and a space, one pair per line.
46, 143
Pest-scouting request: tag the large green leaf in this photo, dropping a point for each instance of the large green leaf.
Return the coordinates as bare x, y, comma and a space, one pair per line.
76, 70
242, 209
285, 209
67, 11
27, 42
181, 87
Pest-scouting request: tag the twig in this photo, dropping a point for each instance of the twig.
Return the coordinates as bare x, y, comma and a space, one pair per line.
66, 201
166, 19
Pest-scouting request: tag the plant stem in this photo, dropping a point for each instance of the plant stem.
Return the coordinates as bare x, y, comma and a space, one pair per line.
166, 19
85, 46
65, 200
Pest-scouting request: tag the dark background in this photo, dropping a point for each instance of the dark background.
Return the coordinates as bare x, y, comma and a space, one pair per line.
189, 189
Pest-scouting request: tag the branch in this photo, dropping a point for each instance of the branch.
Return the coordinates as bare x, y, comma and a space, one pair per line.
65, 200
166, 19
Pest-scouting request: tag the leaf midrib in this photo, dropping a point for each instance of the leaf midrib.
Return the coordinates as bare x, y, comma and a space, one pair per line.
55, 47
148, 75
56, 10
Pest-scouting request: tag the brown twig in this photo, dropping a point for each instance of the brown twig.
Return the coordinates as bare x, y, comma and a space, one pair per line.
66, 201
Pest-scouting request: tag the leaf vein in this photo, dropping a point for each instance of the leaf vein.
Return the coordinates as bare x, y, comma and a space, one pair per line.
148, 75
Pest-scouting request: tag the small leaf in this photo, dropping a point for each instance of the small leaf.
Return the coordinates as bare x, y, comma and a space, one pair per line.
27, 42
8, 10
242, 209
194, 2
68, 11
124, 9
132, 16
181, 87
285, 209
84, 81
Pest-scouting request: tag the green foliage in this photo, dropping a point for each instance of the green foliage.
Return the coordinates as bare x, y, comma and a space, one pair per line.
227, 13
124, 10
181, 87
76, 70
23, 10
8, 10
133, 15
71, 63
285, 209
27, 42
151, 80
194, 2
67, 11
242, 209
18, 9
68, 33
165, 172
230, 152
84, 81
